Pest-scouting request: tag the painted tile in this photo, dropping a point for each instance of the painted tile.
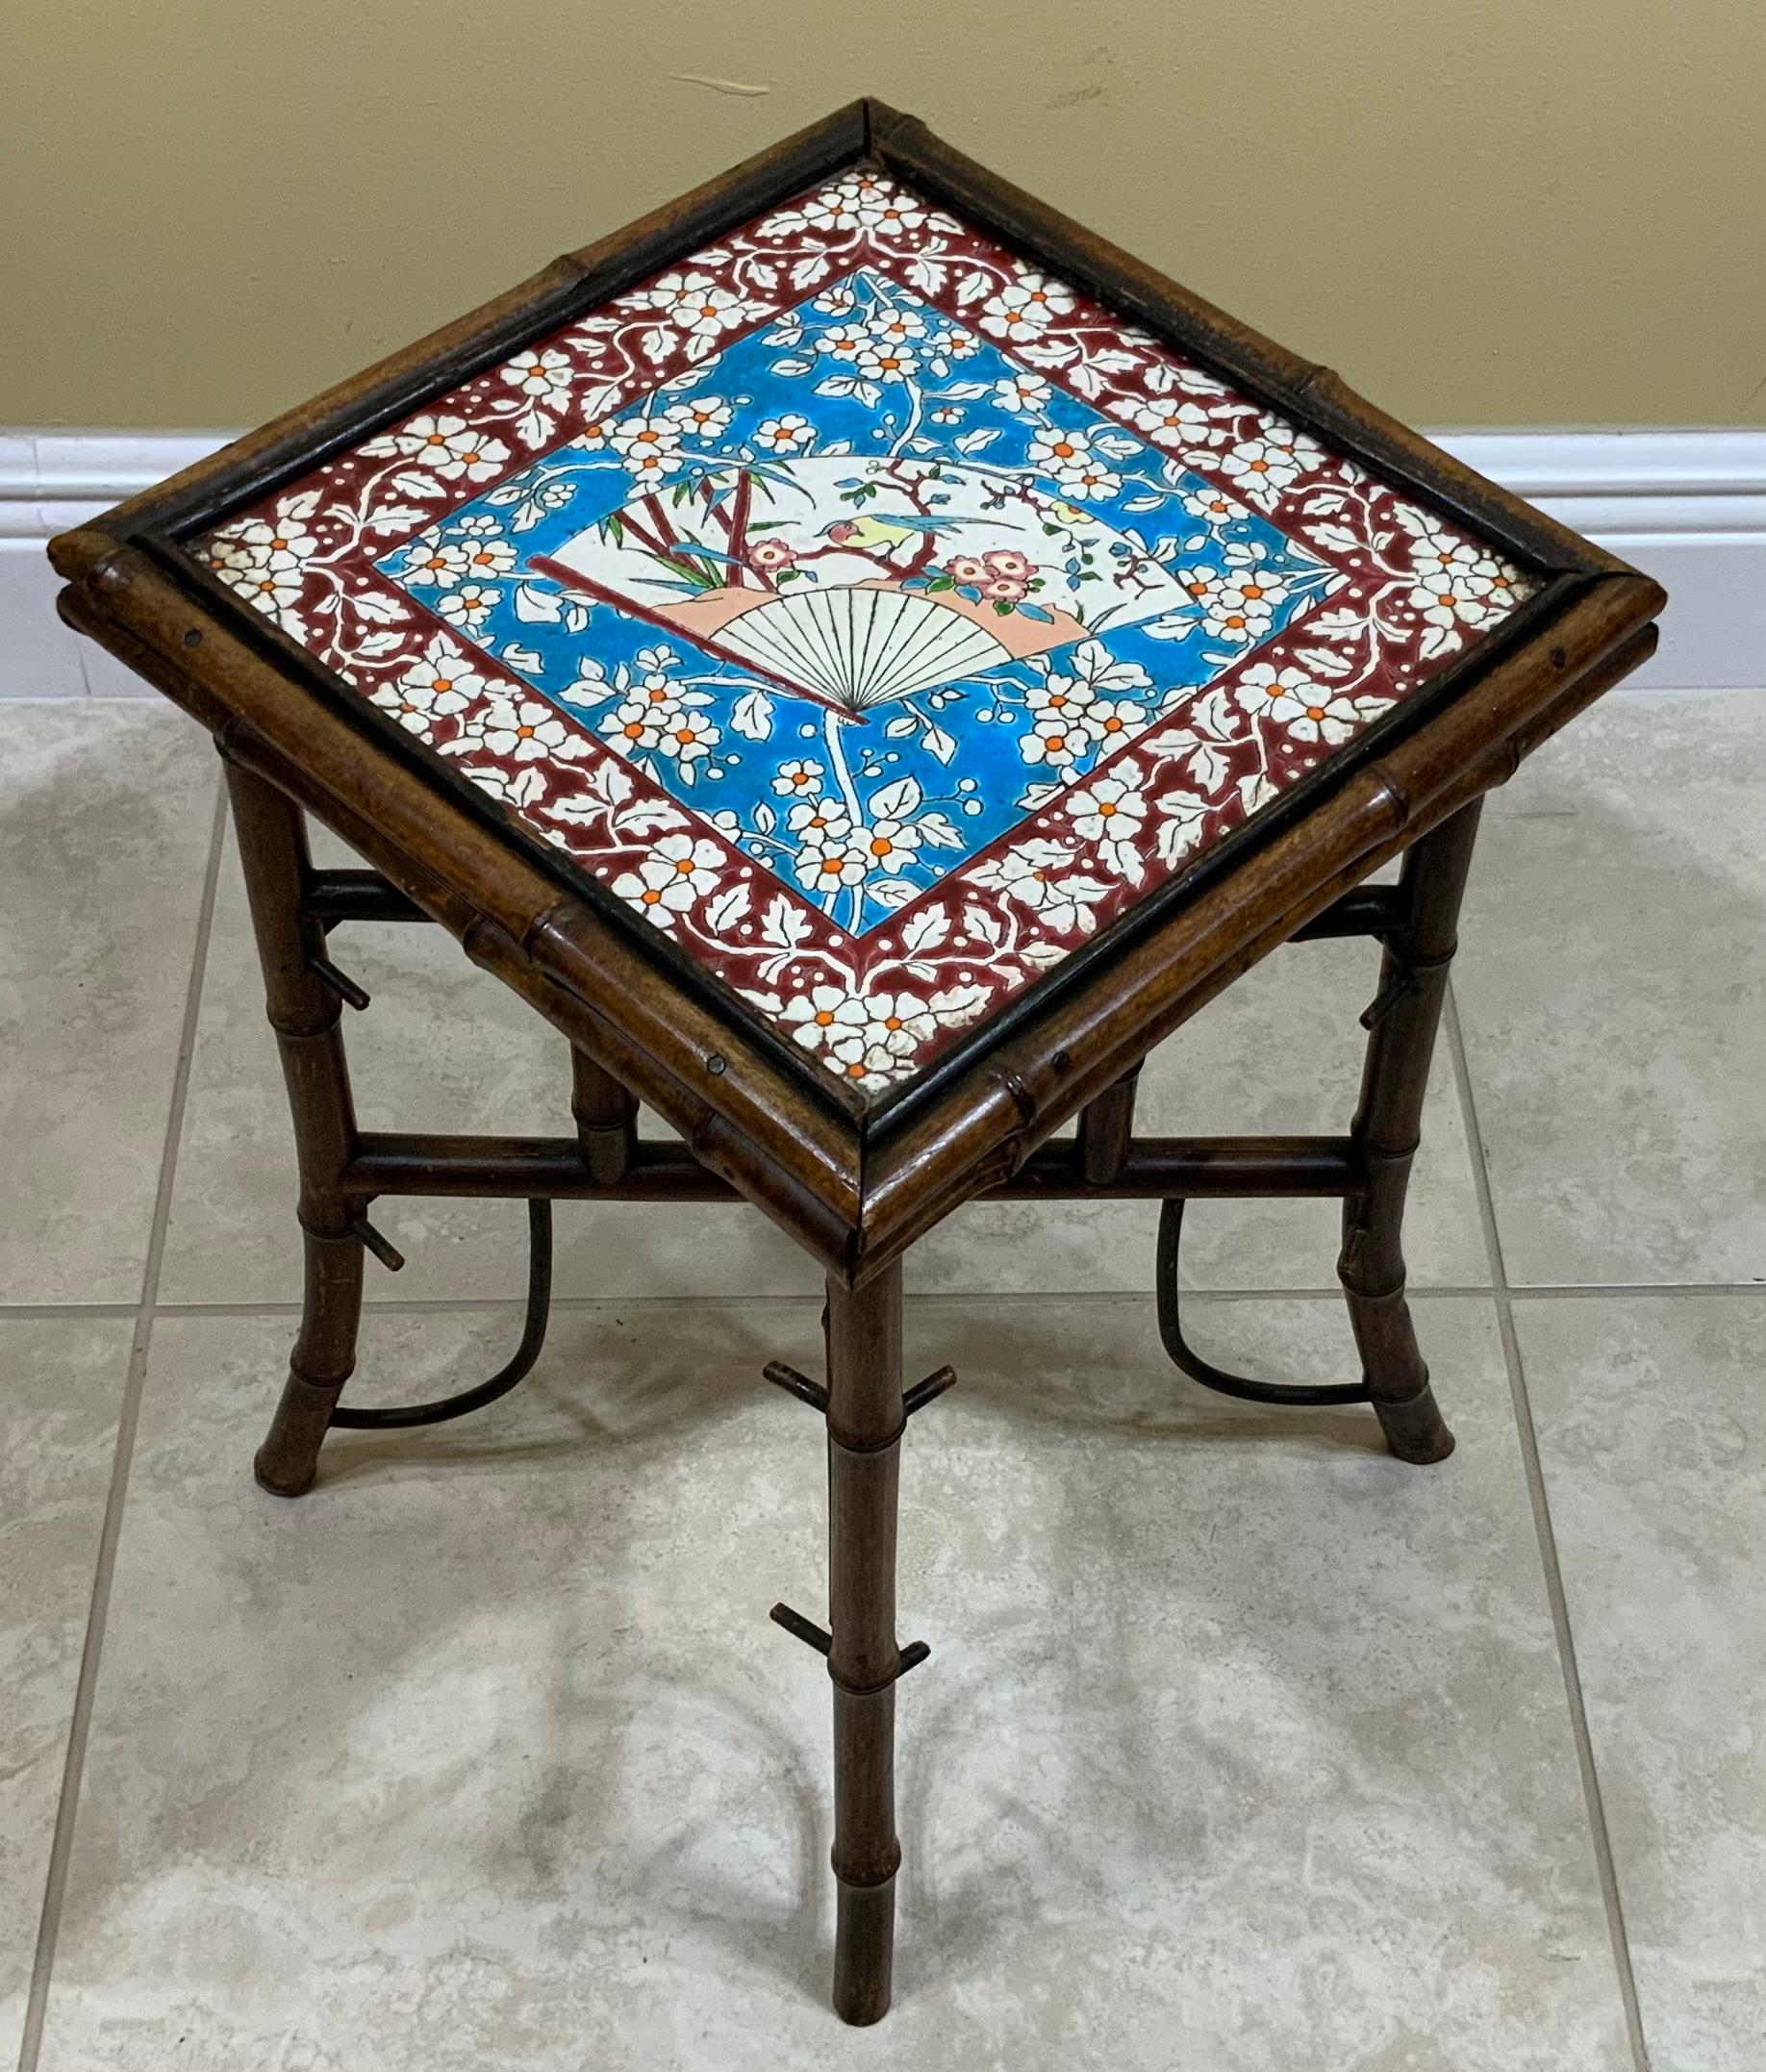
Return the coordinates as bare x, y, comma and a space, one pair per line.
870, 612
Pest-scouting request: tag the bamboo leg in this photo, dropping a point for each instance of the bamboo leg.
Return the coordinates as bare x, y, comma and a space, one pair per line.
1388, 1120
865, 1419
606, 1119
1107, 1131
304, 1012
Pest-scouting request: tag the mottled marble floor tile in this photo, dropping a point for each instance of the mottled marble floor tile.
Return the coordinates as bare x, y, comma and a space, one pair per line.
1612, 988
1651, 1425
106, 817
444, 1047
60, 1384
1241, 1745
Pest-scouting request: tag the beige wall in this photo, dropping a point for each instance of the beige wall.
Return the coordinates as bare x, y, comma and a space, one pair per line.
1490, 212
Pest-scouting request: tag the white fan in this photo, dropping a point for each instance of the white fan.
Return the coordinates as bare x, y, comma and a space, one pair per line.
861, 647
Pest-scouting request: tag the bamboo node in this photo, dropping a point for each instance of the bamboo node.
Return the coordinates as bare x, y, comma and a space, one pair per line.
909, 1658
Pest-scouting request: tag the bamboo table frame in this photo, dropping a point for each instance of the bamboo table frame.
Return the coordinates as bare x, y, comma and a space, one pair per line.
854, 1186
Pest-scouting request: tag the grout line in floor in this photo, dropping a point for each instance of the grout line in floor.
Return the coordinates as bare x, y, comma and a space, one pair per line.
48, 1312
1605, 1867
73, 1767
395, 1307
441, 1306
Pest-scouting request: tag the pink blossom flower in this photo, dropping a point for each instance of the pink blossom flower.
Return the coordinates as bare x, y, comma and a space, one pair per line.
1004, 590
966, 568
771, 554
1009, 563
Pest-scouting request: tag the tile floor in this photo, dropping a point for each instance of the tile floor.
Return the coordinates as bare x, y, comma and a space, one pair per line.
1241, 1746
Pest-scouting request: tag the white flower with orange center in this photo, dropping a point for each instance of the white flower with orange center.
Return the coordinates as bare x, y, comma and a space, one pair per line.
678, 871
859, 201
1026, 309
1061, 730
266, 543
831, 855
637, 725
433, 559
884, 359
1060, 697
1092, 480
448, 447
842, 341
1265, 467
895, 1023
521, 730
834, 208
647, 445
652, 715
701, 417
542, 376
1214, 507
1109, 811
444, 682
798, 780
417, 701
896, 327
881, 205
787, 433
1458, 583
1204, 583
1112, 722
1040, 874
891, 213
1169, 422
695, 304
264, 559
1025, 395
817, 1018
865, 1037
820, 820
689, 737
468, 606
1064, 455
1307, 710
1240, 605
1057, 737
889, 845
488, 554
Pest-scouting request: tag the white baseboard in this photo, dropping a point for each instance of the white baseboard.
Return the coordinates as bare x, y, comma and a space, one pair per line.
1687, 506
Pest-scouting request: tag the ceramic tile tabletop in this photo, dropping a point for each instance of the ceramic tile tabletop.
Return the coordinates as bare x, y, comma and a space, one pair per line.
868, 610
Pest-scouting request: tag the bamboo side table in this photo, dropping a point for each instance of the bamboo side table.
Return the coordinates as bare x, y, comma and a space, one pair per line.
866, 659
